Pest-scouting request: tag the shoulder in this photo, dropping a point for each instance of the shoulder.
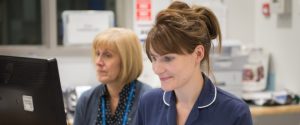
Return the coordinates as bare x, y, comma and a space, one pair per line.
153, 96
92, 91
148, 106
157, 92
143, 87
226, 97
151, 101
234, 108
229, 103
90, 94
85, 106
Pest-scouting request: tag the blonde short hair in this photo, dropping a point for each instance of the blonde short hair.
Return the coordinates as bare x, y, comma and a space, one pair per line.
125, 42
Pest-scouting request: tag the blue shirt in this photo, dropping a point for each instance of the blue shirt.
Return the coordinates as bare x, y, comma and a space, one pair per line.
213, 107
87, 105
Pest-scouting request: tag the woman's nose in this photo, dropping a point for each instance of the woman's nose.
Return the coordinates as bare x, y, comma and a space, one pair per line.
157, 68
99, 61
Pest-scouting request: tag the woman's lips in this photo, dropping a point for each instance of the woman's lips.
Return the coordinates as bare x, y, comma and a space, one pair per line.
164, 78
101, 72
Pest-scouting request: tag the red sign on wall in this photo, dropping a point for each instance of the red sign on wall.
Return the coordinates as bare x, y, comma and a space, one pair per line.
143, 10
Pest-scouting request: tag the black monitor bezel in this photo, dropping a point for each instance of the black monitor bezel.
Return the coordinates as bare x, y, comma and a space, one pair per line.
47, 93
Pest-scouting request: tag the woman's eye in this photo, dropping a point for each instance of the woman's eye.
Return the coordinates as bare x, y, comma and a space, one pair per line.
167, 58
107, 55
97, 54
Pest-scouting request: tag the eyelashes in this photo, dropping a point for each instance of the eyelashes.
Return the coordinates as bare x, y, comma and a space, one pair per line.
104, 54
165, 58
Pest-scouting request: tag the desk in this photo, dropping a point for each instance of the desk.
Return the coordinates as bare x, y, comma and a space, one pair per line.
274, 110
271, 115
276, 115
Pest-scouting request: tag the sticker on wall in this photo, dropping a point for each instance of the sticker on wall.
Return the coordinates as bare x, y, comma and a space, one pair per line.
28, 103
266, 9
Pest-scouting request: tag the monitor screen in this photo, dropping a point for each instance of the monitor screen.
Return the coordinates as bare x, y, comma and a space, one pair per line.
30, 92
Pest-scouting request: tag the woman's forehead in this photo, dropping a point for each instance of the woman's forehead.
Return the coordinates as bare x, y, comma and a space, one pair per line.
159, 50
105, 48
106, 45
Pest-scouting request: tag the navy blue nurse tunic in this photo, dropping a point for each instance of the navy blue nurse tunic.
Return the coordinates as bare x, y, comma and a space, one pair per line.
214, 106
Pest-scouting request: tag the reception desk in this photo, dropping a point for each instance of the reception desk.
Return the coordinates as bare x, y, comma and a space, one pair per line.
276, 115
271, 115
274, 110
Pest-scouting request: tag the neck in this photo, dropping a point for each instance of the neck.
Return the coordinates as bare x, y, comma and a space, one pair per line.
185, 96
114, 89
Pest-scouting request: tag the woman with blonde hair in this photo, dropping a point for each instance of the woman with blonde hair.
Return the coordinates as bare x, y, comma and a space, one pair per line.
118, 59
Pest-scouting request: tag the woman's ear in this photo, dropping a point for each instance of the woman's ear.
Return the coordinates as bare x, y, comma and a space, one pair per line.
199, 53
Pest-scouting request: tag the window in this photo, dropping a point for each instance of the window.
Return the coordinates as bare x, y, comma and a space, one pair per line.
20, 22
34, 27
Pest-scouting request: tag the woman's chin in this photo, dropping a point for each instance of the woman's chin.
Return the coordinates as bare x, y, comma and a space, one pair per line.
103, 80
166, 87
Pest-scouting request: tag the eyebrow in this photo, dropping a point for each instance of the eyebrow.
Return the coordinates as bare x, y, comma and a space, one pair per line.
107, 50
154, 55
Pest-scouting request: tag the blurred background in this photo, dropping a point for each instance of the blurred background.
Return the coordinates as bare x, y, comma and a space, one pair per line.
259, 61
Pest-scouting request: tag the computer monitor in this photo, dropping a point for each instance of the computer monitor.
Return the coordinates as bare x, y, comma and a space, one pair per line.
30, 92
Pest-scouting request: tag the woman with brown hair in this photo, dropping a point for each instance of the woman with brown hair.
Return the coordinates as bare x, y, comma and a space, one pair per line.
178, 46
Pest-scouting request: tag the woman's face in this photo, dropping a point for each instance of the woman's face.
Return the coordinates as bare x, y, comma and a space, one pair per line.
108, 65
174, 70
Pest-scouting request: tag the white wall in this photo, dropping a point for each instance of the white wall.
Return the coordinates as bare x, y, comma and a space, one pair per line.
282, 43
240, 20
76, 71
247, 24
